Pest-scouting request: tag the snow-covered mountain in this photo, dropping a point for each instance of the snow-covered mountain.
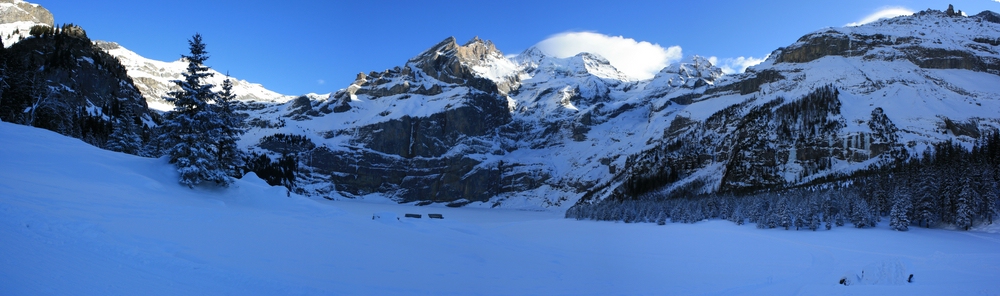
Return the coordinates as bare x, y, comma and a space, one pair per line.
464, 124
153, 77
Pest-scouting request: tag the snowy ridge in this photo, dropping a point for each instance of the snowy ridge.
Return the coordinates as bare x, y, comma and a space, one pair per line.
879, 75
548, 93
153, 77
534, 62
11, 33
577, 127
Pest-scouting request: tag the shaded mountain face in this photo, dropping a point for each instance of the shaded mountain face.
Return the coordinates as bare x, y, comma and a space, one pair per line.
62, 82
465, 124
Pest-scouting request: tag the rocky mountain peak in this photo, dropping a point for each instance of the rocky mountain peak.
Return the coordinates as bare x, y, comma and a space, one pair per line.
12, 11
106, 45
476, 60
535, 62
692, 72
930, 39
989, 16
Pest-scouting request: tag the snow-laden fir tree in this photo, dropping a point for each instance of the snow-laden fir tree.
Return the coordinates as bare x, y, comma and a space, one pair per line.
899, 216
861, 214
784, 214
926, 209
125, 135
964, 207
227, 130
189, 132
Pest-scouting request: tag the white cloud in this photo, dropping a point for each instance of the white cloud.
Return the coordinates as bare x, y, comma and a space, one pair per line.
638, 59
736, 65
888, 12
321, 82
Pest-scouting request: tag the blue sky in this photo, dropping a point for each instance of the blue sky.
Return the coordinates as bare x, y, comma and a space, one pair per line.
296, 47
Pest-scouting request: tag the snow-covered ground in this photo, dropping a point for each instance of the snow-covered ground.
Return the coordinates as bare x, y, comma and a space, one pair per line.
76, 220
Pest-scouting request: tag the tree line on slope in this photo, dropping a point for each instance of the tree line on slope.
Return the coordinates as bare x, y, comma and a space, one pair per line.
58, 80
948, 185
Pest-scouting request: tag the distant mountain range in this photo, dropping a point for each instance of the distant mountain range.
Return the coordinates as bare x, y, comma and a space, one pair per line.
467, 125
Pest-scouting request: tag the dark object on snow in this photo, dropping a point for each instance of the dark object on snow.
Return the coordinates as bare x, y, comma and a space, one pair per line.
843, 281
910, 280
435, 216
413, 216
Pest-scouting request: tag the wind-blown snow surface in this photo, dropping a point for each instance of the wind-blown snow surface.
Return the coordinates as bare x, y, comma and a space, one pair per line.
76, 220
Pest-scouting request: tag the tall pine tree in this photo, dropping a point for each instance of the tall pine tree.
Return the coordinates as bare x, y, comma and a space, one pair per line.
899, 215
190, 130
228, 129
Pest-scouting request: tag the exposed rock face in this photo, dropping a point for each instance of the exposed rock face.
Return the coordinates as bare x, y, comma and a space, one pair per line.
814, 46
930, 51
19, 11
418, 152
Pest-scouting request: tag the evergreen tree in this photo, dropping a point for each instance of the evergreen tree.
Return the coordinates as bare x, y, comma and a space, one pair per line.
813, 220
784, 215
926, 208
125, 135
861, 214
800, 218
188, 129
899, 215
964, 208
227, 129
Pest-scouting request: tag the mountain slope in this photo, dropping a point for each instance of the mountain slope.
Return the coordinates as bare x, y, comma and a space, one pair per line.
900, 84
463, 123
153, 78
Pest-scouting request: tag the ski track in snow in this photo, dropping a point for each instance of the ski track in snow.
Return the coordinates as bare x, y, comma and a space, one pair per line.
76, 220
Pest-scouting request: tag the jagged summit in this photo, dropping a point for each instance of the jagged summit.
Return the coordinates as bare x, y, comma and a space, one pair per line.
694, 71
449, 62
535, 62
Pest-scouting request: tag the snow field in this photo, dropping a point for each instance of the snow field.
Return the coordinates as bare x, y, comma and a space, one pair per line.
76, 220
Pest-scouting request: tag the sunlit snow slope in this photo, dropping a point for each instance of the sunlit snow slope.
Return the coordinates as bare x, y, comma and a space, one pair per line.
153, 78
77, 220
